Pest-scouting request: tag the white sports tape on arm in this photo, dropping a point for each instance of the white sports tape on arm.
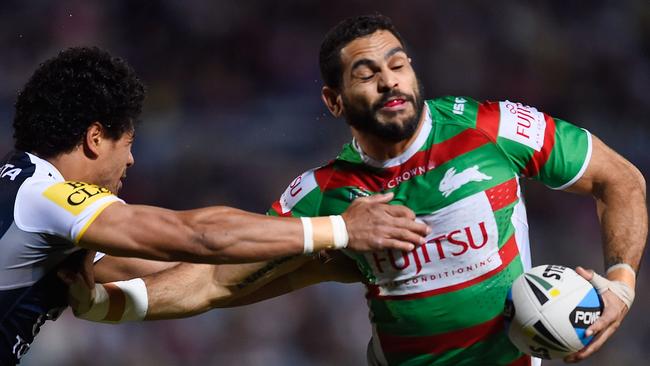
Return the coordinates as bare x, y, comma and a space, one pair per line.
308, 236
340, 232
618, 288
324, 232
118, 302
621, 266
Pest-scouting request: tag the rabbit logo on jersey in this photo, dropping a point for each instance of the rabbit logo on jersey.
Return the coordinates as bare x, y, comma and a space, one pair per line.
456, 251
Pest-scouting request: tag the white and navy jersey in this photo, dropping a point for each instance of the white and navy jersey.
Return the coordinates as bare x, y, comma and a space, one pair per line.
42, 217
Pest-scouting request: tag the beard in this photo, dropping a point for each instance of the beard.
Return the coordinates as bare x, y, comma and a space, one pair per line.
366, 118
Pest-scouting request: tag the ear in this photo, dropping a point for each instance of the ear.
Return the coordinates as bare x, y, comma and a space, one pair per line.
93, 139
332, 100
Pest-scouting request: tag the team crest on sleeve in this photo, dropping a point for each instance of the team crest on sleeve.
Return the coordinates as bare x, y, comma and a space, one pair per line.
523, 124
74, 197
297, 190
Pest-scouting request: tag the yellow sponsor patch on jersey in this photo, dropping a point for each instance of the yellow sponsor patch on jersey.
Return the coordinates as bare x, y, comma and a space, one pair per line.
75, 196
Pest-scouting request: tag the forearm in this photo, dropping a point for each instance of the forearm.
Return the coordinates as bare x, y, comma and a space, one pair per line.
234, 235
624, 224
209, 235
191, 289
183, 291
333, 267
620, 193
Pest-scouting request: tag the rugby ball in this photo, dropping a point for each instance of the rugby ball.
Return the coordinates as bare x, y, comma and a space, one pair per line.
548, 309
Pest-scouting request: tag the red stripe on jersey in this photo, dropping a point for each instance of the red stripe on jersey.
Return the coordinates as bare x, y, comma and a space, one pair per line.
503, 194
439, 343
460, 144
522, 361
278, 209
487, 119
508, 252
540, 158
377, 180
329, 178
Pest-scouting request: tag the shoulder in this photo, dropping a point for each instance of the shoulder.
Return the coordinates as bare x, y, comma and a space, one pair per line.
454, 109
299, 188
511, 120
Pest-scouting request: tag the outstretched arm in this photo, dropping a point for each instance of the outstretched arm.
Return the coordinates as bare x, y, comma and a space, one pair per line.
225, 235
190, 289
620, 193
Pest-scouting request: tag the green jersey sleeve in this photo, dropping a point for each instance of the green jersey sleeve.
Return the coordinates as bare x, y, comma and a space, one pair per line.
302, 198
539, 146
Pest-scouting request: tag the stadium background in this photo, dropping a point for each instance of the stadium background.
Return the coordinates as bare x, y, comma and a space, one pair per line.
233, 114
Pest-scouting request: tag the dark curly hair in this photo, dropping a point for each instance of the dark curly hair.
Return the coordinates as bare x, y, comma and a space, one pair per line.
343, 33
67, 93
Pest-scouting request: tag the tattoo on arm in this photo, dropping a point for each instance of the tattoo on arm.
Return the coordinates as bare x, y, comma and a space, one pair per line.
255, 276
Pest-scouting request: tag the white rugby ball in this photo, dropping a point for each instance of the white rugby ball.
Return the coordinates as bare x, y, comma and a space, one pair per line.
548, 310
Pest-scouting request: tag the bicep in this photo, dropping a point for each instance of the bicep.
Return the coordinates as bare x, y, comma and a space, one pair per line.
605, 166
135, 230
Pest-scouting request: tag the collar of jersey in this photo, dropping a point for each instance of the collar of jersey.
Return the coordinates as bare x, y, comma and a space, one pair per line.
56, 175
353, 152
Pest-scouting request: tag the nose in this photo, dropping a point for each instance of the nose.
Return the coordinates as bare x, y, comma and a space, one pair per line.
130, 161
387, 80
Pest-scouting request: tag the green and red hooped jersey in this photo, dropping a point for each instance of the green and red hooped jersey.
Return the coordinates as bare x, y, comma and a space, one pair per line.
441, 303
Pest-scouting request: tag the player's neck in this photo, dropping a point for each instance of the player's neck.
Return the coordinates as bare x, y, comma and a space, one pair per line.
74, 166
380, 149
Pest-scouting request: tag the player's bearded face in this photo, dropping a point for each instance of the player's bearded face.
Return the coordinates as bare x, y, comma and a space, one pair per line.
373, 118
381, 94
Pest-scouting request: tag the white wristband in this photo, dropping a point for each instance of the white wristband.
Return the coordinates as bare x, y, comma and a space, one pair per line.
621, 265
123, 301
308, 235
340, 231
137, 300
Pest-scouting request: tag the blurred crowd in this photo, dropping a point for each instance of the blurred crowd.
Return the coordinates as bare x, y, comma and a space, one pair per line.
233, 114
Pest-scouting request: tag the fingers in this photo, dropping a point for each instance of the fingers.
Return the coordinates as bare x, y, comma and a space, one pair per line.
406, 236
613, 312
375, 225
404, 246
413, 231
400, 211
594, 346
586, 274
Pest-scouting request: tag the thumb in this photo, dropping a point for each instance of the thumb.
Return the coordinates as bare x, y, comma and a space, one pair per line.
380, 198
587, 275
